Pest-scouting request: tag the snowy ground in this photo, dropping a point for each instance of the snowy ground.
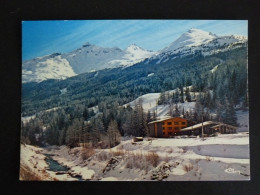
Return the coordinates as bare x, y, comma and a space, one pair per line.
225, 157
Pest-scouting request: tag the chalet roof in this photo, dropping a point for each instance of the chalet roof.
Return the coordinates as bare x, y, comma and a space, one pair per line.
164, 120
223, 124
206, 123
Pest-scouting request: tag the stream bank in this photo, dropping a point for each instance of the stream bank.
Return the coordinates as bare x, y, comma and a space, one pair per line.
59, 169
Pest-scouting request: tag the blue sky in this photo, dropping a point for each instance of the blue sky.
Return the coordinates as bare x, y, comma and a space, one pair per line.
41, 38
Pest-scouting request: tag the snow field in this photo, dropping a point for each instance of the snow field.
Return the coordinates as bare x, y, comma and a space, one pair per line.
225, 157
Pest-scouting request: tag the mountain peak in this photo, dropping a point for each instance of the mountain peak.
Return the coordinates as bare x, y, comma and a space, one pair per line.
193, 30
134, 46
87, 44
202, 32
193, 37
196, 30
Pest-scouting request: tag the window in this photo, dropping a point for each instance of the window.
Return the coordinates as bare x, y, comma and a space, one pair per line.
169, 128
176, 128
183, 123
163, 128
163, 123
176, 123
169, 123
163, 133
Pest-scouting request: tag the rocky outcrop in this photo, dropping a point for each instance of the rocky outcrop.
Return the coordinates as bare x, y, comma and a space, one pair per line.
112, 163
161, 172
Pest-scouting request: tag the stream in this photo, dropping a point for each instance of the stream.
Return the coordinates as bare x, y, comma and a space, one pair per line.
54, 165
57, 167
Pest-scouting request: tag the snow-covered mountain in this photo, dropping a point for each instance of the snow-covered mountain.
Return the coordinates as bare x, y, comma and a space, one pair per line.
85, 59
194, 37
133, 54
48, 67
92, 58
196, 41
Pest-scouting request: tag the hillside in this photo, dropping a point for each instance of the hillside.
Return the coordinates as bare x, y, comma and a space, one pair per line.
124, 85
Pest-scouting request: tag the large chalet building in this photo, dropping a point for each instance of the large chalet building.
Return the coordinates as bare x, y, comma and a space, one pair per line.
178, 126
167, 127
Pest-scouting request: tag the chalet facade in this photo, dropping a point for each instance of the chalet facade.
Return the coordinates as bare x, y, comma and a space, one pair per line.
167, 127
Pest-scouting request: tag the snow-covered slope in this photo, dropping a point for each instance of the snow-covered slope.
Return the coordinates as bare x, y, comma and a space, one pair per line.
133, 54
53, 66
196, 41
194, 37
91, 57
149, 103
85, 59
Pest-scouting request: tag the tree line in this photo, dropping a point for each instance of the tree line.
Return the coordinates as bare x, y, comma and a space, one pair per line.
92, 110
75, 126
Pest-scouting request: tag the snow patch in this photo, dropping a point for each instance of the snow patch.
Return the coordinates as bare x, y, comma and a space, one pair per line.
214, 69
63, 91
109, 179
84, 172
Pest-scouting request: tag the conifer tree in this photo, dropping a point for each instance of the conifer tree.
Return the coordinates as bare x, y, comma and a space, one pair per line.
198, 111
230, 114
176, 111
113, 133
171, 109
149, 116
85, 114
154, 115
162, 98
176, 96
187, 94
127, 126
182, 98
